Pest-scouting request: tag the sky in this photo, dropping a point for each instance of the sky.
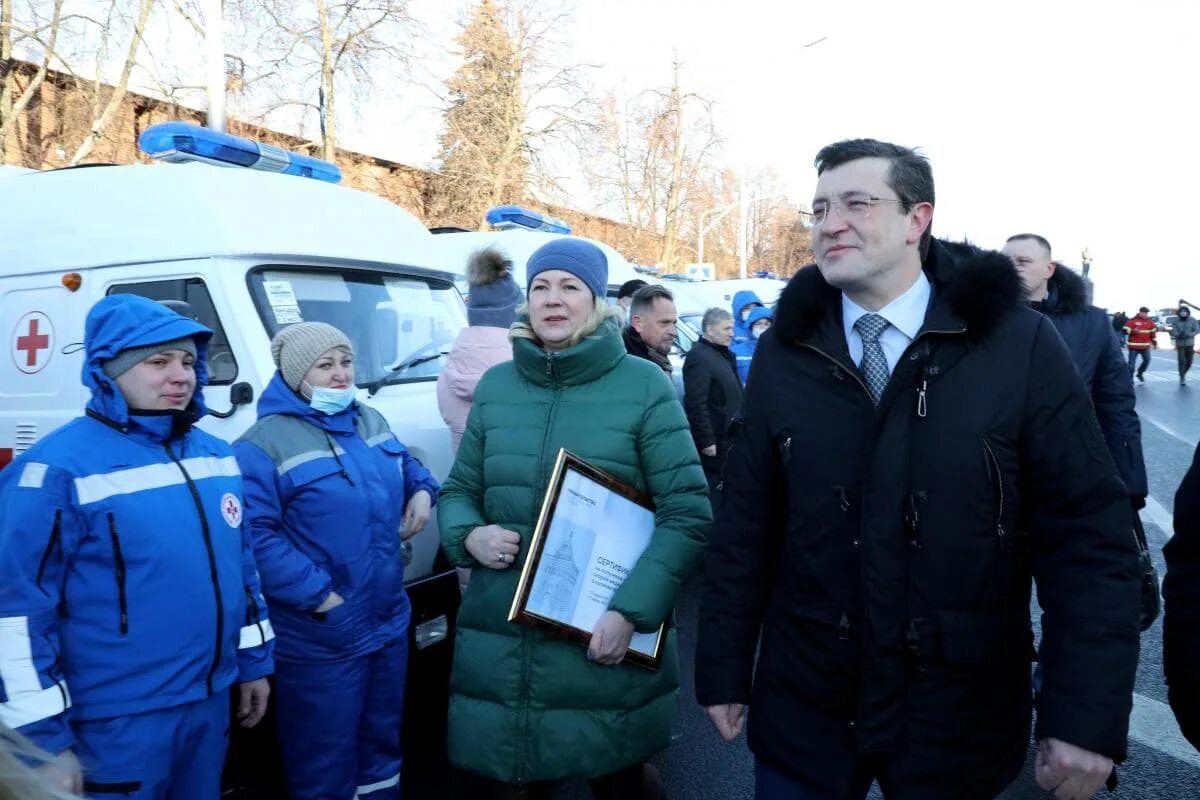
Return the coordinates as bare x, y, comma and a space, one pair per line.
1064, 118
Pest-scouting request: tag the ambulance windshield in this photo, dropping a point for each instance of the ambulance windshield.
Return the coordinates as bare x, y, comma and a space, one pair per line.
393, 320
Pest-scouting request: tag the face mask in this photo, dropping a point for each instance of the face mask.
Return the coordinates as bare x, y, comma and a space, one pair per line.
331, 401
759, 330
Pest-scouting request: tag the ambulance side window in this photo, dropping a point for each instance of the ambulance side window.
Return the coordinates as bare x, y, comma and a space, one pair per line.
222, 368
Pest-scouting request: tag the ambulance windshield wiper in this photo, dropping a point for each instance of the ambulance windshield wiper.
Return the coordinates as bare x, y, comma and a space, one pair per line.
413, 360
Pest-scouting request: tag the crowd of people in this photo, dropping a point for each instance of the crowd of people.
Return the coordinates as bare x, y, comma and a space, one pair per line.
867, 479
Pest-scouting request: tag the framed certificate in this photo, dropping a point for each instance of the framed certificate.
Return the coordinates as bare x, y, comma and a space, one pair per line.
589, 535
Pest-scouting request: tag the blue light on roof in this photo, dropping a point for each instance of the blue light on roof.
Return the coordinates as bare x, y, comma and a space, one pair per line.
182, 141
503, 217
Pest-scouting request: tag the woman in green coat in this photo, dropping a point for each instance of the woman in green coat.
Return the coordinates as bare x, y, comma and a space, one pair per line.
528, 709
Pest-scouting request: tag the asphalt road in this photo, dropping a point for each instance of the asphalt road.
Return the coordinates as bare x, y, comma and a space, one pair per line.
1161, 765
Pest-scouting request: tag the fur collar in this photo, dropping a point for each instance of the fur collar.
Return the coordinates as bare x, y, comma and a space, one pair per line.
1068, 294
973, 286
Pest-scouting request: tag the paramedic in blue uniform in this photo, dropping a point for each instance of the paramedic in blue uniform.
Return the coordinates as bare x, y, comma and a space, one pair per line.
330, 496
129, 601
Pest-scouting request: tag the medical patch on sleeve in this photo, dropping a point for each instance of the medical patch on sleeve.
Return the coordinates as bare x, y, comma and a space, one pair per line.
231, 510
33, 476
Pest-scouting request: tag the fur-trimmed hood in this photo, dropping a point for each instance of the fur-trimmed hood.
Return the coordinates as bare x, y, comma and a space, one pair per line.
974, 287
1067, 293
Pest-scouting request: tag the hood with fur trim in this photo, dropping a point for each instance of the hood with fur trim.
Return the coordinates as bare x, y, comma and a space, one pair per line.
1067, 293
972, 288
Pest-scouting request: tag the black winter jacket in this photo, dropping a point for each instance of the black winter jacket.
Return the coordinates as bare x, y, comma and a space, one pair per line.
1097, 354
886, 555
712, 394
635, 345
1181, 607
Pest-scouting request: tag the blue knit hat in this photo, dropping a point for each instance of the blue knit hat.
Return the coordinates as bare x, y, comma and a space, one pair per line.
574, 255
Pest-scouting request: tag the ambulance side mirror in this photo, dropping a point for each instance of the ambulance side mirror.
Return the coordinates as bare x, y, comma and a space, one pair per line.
240, 394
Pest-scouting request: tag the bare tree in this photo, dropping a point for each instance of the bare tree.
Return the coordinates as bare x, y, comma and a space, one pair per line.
313, 51
510, 108
43, 36
655, 162
102, 115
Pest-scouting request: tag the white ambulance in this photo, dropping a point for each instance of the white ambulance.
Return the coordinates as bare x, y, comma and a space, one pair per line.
250, 252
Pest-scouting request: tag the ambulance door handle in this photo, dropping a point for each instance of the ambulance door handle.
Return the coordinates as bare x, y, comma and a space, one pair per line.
240, 394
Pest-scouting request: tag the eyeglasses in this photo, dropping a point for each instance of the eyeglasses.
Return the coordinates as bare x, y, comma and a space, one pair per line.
851, 205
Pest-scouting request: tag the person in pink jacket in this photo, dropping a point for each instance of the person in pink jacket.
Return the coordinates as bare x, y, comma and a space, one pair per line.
491, 308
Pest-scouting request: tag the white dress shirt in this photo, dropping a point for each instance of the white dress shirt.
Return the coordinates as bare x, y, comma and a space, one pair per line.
906, 314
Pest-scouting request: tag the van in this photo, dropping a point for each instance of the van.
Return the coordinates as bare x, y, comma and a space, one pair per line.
248, 252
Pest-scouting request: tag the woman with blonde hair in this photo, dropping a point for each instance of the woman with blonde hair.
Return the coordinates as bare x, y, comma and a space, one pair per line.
528, 709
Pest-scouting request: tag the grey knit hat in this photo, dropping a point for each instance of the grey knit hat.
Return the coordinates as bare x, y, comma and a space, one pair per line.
297, 347
494, 295
129, 358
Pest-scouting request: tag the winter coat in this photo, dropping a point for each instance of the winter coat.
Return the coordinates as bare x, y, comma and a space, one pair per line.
886, 554
325, 495
526, 705
1098, 357
1183, 331
741, 331
1181, 607
637, 347
1141, 332
476, 350
126, 582
712, 395
744, 351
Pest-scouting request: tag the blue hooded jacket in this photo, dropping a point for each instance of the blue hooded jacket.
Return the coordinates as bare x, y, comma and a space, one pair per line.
744, 351
126, 583
741, 330
325, 497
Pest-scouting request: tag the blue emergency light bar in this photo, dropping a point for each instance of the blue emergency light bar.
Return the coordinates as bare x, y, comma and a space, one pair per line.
502, 217
182, 141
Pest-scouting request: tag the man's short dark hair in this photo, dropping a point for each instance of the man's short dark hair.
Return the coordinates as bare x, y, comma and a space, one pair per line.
1143, 310
909, 174
643, 298
629, 288
1032, 237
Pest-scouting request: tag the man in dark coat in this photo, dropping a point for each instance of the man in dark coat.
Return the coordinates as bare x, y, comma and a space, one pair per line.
712, 391
915, 447
652, 323
1181, 607
1060, 294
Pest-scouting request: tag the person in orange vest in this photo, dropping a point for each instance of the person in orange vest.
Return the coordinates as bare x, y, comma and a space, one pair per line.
1141, 330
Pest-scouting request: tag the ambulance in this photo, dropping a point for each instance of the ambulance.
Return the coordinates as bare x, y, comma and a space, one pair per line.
250, 238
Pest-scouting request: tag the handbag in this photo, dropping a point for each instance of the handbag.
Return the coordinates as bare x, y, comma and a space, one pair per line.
1151, 600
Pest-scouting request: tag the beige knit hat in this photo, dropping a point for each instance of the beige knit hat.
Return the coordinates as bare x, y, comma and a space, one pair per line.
297, 347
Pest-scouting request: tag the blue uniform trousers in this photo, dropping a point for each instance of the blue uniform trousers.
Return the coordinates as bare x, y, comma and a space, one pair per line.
339, 725
173, 753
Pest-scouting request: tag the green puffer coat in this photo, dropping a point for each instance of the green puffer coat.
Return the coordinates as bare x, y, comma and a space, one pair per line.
525, 705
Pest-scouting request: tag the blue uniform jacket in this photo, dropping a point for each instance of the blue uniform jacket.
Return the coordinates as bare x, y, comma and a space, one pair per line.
743, 351
325, 495
741, 330
126, 583
1097, 354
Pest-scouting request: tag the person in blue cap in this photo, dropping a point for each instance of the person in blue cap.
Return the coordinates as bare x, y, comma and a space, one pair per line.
758, 322
129, 599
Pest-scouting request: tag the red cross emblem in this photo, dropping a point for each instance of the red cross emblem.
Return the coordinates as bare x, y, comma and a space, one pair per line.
231, 510
34, 340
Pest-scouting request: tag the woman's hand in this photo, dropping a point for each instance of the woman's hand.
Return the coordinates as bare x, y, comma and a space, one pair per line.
493, 546
610, 638
416, 515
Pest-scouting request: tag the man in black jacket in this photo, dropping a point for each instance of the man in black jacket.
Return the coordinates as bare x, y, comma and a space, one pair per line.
1060, 294
915, 448
1181, 607
712, 391
652, 322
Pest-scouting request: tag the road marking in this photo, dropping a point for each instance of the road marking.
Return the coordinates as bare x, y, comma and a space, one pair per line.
1169, 431
1159, 515
1153, 724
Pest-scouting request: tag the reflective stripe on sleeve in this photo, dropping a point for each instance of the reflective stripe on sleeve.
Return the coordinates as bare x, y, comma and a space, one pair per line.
256, 634
27, 700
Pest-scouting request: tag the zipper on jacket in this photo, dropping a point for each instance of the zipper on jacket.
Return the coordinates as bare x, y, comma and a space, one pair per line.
785, 452
843, 627
55, 541
994, 467
840, 491
119, 571
735, 423
212, 567
912, 518
922, 407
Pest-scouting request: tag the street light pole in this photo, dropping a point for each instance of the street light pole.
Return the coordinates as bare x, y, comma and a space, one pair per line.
214, 46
